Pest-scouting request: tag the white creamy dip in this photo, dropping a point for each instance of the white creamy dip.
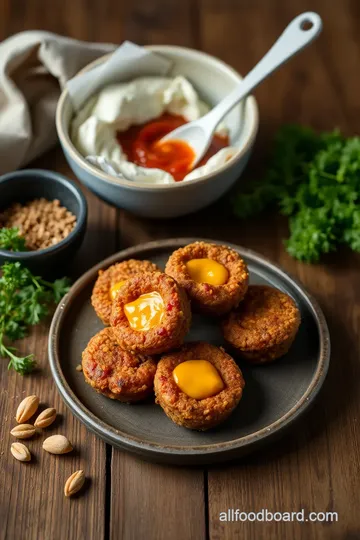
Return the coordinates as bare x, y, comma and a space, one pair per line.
119, 106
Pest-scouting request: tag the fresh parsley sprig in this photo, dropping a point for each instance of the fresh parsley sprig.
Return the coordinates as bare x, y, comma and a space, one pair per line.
315, 180
11, 240
25, 300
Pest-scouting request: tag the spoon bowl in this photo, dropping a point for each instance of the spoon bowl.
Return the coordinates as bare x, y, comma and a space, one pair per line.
297, 35
178, 198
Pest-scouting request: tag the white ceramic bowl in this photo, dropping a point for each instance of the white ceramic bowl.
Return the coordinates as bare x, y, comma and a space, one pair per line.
213, 79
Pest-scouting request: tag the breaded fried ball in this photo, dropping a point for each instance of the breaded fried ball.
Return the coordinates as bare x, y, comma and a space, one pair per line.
214, 276
189, 412
264, 325
151, 314
110, 281
115, 373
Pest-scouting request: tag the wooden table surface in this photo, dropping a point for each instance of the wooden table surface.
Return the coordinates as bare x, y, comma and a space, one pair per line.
317, 466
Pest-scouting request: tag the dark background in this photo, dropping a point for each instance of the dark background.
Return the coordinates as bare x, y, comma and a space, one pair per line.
317, 466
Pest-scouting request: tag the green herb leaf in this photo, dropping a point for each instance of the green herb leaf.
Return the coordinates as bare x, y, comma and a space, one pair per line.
60, 288
25, 300
315, 180
11, 240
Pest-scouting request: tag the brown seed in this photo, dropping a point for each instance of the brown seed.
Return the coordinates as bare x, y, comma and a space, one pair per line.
57, 444
20, 451
45, 418
23, 431
26, 409
74, 483
39, 221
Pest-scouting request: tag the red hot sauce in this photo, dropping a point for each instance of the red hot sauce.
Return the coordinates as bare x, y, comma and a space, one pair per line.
174, 157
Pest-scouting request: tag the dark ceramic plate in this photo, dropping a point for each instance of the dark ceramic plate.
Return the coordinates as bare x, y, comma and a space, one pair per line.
274, 397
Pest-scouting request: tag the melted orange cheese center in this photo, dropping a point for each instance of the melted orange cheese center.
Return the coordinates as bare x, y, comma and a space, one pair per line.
115, 288
207, 271
198, 379
145, 312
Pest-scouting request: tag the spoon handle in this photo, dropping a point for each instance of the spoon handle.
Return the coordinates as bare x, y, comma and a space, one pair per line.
298, 34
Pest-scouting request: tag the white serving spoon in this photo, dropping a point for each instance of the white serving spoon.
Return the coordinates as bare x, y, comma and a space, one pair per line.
298, 34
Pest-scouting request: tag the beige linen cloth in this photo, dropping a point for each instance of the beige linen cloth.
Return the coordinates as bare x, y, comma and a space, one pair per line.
34, 67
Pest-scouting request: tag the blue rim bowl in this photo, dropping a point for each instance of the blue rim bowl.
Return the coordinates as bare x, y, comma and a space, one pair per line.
25, 185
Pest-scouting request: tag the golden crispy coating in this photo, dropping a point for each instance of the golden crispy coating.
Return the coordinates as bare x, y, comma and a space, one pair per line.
174, 325
100, 298
264, 325
115, 373
206, 298
189, 412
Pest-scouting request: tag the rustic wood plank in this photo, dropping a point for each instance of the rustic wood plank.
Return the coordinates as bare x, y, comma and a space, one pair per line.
155, 502
341, 56
316, 468
306, 469
32, 503
160, 22
148, 500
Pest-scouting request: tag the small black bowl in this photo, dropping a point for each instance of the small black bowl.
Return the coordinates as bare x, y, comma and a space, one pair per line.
25, 185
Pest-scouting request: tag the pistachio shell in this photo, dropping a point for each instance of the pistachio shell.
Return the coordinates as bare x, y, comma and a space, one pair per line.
23, 431
57, 444
45, 418
20, 451
74, 483
26, 409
